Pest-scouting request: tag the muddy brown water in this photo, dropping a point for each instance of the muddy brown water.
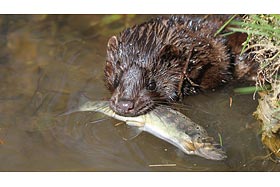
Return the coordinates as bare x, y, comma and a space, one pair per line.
46, 62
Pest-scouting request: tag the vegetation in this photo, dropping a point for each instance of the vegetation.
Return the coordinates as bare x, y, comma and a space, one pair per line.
263, 44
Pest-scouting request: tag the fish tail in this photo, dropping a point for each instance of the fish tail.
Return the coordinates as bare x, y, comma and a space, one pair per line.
66, 113
77, 107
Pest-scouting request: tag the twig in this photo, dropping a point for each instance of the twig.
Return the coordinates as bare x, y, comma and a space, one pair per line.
262, 45
162, 165
120, 123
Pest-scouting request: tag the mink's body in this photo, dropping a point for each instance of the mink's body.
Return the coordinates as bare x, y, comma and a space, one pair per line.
164, 59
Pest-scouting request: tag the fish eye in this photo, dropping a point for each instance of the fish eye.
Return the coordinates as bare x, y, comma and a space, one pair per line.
152, 85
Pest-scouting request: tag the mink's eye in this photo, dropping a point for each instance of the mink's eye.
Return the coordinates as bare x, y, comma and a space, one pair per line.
116, 82
118, 64
117, 78
152, 85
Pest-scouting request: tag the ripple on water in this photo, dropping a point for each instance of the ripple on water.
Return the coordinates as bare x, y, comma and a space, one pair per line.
98, 144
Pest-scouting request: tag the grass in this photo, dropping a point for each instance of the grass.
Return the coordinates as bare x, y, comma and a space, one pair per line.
263, 40
262, 45
251, 89
220, 139
224, 25
264, 25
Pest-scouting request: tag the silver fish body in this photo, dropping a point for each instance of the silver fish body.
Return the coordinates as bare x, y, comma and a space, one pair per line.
169, 125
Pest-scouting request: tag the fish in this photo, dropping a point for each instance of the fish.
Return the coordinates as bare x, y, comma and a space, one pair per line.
167, 124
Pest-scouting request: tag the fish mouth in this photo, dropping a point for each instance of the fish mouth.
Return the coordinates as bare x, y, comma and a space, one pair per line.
208, 150
212, 152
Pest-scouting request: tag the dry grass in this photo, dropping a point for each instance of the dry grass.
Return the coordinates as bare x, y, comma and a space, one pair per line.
262, 45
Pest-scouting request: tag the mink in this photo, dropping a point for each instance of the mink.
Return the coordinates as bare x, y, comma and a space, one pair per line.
164, 59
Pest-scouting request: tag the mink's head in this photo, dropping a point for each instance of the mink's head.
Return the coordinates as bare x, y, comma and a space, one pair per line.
140, 75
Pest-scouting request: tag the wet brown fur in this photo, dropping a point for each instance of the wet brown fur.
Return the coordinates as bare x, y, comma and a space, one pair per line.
179, 54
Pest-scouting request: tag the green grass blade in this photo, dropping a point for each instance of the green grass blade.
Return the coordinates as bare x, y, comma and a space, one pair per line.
249, 31
263, 28
246, 43
224, 25
251, 89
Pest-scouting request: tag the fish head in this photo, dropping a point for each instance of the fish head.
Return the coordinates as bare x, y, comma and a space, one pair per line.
206, 147
195, 140
211, 151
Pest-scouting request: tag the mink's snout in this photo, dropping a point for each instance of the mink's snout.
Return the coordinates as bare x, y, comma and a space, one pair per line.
124, 106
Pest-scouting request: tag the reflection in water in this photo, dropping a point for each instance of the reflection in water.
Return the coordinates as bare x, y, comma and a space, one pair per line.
47, 61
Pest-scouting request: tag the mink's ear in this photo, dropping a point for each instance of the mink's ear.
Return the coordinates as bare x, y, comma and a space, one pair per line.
112, 44
169, 52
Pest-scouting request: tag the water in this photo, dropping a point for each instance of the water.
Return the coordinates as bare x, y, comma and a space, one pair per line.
47, 61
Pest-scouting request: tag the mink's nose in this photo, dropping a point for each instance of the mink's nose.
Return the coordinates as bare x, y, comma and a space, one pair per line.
124, 106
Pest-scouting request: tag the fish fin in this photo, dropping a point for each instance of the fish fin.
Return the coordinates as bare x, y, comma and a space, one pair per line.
128, 132
99, 120
189, 146
135, 124
69, 111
